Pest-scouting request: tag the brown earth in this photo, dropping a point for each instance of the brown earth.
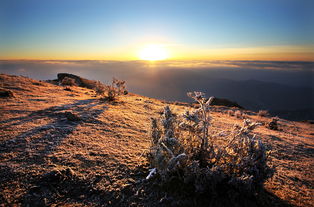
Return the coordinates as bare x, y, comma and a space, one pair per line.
97, 156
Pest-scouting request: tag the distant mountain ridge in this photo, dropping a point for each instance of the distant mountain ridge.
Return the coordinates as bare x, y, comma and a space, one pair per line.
251, 94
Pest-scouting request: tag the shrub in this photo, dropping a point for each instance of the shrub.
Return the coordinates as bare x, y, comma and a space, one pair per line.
66, 81
100, 88
238, 114
110, 92
119, 86
263, 113
183, 149
230, 113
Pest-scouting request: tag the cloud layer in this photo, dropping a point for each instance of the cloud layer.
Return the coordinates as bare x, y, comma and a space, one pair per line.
253, 84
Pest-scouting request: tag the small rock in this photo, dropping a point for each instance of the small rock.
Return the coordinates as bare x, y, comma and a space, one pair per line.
5, 93
71, 116
92, 154
67, 89
273, 125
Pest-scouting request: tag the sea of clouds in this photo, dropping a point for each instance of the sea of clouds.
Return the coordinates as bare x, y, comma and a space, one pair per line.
276, 86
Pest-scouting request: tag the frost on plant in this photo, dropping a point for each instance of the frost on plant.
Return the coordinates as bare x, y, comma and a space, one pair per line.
110, 92
100, 88
184, 148
166, 153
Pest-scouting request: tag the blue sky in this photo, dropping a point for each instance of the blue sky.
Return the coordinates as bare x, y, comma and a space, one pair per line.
76, 29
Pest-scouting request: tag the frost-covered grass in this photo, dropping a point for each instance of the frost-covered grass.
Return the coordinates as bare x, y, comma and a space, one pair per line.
185, 150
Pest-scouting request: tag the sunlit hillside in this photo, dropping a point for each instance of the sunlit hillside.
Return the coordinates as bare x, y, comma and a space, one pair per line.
64, 146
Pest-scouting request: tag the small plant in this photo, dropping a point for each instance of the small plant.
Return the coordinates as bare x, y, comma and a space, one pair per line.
110, 92
100, 88
120, 86
230, 113
238, 114
66, 81
184, 149
263, 113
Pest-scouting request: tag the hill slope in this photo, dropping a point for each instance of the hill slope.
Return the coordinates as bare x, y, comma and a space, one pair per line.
49, 158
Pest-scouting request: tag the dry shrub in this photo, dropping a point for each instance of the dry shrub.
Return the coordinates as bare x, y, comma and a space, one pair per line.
263, 113
100, 88
230, 113
185, 154
66, 81
119, 86
110, 92
238, 114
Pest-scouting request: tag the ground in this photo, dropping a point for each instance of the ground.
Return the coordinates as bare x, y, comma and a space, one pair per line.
48, 158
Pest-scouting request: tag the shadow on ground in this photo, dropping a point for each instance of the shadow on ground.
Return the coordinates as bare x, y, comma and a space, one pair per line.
35, 144
64, 187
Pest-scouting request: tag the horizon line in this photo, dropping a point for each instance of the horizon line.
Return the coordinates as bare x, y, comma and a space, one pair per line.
156, 61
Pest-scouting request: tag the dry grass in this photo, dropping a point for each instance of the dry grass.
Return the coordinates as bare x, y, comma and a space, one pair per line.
105, 148
263, 113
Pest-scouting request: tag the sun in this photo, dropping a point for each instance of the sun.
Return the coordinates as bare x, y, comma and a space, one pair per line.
153, 52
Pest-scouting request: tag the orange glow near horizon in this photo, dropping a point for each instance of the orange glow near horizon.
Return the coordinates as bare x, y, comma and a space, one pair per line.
155, 52
156, 30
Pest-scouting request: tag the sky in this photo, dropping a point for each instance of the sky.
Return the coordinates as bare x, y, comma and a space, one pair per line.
186, 29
